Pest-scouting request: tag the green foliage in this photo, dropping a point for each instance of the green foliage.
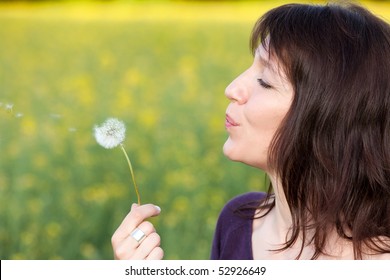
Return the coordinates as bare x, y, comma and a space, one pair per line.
61, 194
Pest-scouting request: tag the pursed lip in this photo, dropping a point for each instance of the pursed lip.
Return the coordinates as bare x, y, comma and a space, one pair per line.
229, 122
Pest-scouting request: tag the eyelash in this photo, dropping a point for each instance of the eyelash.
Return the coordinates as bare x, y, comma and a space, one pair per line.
264, 84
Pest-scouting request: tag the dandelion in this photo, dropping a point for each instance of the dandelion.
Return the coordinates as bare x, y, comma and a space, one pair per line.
55, 116
9, 107
112, 134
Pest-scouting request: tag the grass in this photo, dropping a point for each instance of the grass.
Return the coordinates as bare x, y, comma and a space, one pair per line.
160, 67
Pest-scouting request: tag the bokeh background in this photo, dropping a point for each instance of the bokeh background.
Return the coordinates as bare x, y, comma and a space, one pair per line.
161, 67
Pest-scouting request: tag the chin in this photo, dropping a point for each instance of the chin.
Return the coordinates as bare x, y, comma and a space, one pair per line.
228, 149
234, 155
226, 152
231, 153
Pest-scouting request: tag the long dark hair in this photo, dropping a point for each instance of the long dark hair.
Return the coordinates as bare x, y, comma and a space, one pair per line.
332, 150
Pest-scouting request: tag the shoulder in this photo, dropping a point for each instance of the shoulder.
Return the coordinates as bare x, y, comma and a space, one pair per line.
232, 237
243, 204
379, 242
385, 256
239, 210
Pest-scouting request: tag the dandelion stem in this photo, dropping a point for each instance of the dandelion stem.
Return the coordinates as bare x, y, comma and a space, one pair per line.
132, 173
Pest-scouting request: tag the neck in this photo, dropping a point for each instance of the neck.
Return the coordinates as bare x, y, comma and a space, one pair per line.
281, 212
282, 222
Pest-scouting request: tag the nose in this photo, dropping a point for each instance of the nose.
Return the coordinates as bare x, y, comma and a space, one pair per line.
237, 91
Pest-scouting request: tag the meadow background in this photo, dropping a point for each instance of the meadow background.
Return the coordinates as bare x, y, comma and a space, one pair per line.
162, 68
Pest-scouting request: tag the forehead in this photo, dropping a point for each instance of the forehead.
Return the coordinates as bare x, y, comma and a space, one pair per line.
267, 59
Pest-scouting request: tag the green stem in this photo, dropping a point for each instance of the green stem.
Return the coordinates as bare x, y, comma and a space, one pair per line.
132, 173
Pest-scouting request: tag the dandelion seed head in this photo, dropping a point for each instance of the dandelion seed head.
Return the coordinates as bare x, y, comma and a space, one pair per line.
55, 116
111, 133
9, 106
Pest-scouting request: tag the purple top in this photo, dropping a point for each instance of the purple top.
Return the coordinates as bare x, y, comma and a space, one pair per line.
233, 234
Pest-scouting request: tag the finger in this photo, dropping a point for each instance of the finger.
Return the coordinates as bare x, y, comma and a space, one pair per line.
134, 218
146, 247
139, 213
146, 228
134, 205
156, 254
124, 249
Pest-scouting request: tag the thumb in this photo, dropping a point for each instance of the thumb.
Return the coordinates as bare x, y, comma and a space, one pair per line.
134, 206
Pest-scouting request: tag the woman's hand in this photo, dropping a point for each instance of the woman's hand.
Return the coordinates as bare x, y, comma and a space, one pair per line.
134, 227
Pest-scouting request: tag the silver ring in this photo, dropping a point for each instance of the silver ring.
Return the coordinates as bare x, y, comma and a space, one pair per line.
138, 235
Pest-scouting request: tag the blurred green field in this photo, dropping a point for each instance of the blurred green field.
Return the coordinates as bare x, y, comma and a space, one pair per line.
162, 68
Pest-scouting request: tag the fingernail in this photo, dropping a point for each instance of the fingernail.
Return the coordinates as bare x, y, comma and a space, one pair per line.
134, 205
158, 208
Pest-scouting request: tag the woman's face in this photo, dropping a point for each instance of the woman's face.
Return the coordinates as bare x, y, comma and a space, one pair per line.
259, 99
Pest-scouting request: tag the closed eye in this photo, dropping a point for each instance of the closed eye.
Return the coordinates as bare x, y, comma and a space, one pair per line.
264, 84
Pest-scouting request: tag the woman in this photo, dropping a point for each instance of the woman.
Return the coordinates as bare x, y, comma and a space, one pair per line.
313, 112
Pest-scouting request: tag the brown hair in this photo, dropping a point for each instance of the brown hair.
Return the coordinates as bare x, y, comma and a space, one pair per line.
332, 150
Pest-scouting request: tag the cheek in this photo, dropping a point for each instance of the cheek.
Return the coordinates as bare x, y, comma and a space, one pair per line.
249, 142
248, 145
264, 121
262, 124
